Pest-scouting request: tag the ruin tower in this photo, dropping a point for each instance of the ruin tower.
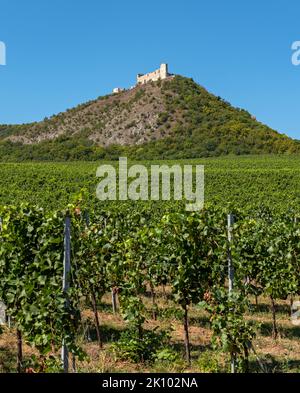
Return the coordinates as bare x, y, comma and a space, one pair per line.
164, 71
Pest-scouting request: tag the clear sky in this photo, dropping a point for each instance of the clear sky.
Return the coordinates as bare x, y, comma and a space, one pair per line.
64, 52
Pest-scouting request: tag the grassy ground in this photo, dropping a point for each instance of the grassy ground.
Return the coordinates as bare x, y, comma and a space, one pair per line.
281, 355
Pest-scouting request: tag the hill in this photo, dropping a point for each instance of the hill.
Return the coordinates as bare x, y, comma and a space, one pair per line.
174, 118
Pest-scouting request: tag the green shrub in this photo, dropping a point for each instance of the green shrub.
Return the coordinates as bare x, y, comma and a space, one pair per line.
167, 355
140, 347
208, 362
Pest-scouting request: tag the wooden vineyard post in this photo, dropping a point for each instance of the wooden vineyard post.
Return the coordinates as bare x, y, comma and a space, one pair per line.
296, 221
20, 351
230, 221
74, 364
114, 299
6, 316
66, 284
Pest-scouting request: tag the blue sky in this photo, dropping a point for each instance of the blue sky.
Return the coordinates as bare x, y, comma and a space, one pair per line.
62, 53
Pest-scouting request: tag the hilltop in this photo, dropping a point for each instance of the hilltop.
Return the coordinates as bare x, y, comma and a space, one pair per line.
173, 118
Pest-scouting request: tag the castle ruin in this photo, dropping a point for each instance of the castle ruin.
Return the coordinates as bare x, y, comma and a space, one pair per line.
161, 73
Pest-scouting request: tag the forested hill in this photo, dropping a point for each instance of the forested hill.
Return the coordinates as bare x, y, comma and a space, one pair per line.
174, 118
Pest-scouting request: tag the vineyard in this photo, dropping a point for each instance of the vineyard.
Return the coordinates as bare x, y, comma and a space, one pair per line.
149, 286
245, 181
